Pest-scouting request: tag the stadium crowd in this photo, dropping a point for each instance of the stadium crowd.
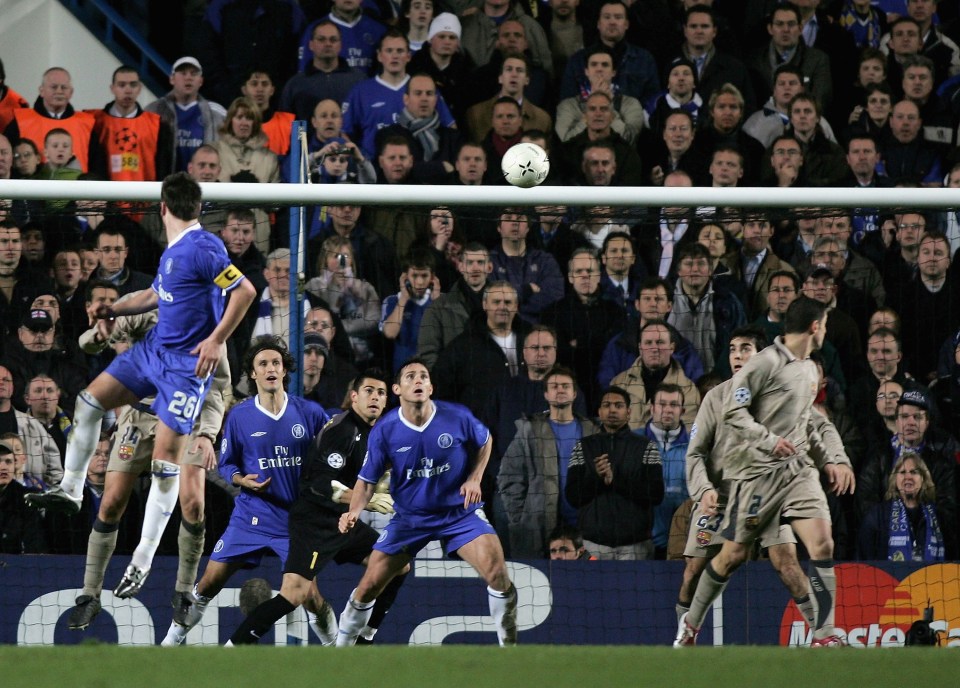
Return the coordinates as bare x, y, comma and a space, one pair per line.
539, 320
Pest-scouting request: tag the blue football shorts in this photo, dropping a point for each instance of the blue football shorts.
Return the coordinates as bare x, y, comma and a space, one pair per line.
243, 544
405, 535
148, 368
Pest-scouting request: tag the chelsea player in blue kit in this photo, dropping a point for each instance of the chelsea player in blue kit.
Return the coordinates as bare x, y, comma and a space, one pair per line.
437, 452
333, 462
174, 361
265, 440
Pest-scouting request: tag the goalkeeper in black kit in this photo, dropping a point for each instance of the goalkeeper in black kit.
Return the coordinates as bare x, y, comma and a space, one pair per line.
332, 464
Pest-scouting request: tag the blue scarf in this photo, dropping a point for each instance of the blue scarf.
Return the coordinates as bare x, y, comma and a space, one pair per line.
898, 448
901, 545
865, 30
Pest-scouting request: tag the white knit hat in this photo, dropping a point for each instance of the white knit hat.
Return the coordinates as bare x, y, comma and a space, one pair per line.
444, 22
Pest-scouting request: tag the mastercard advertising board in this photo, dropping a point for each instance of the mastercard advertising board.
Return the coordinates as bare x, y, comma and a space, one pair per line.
875, 609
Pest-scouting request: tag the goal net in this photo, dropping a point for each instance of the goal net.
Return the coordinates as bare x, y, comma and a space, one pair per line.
494, 287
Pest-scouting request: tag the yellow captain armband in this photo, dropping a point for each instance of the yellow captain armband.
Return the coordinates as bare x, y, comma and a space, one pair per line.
230, 276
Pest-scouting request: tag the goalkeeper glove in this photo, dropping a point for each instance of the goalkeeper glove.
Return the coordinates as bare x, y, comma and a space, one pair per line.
383, 485
338, 489
381, 502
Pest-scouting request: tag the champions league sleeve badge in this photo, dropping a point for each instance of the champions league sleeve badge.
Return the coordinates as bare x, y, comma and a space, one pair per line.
742, 396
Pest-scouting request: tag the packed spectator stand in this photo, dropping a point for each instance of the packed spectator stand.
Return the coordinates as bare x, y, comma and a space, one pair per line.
816, 93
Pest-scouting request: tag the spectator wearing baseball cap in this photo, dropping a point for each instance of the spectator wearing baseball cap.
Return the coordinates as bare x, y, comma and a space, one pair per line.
191, 119
915, 432
33, 353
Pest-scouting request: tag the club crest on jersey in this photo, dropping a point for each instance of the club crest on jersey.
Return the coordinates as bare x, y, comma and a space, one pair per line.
335, 460
742, 395
168, 265
125, 451
445, 441
298, 430
704, 537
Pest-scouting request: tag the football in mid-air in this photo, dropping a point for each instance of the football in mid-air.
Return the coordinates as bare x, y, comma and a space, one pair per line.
525, 165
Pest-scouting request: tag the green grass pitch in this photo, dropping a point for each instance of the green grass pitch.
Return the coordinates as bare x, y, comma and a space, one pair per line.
453, 666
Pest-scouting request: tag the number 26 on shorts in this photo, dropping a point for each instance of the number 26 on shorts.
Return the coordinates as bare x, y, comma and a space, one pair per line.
182, 405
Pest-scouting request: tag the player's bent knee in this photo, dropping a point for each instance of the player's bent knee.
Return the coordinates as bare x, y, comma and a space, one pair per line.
822, 549
694, 567
112, 512
498, 578
88, 409
296, 589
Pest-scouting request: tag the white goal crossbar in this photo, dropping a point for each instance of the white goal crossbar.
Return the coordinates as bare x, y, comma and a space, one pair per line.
379, 194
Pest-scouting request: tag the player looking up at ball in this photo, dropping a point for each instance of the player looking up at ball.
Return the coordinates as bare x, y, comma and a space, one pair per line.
334, 460
436, 490
264, 441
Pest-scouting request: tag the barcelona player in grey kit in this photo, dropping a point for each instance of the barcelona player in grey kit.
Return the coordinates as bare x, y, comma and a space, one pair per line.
772, 477
437, 452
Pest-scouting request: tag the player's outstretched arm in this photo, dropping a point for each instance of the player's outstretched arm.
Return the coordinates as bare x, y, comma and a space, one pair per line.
141, 302
210, 349
362, 493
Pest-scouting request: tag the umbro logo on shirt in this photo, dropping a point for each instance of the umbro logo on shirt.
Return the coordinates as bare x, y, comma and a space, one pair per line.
261, 433
403, 449
378, 104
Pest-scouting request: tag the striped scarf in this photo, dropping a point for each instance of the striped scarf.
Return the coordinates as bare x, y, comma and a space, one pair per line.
865, 30
424, 130
902, 545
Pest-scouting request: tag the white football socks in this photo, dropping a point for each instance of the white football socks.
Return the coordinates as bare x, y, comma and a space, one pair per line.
503, 609
354, 617
161, 500
83, 442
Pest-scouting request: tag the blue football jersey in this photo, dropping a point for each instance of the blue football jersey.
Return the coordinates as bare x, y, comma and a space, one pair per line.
429, 463
358, 41
257, 442
192, 282
374, 104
